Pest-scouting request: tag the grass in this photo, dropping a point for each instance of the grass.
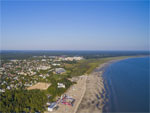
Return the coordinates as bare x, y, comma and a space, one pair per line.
86, 66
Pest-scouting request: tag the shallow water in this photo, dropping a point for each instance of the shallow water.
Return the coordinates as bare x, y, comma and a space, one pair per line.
127, 85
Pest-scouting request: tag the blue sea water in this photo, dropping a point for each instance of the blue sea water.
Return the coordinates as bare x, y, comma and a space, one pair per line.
127, 85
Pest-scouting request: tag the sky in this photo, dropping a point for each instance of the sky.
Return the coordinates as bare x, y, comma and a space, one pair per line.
75, 25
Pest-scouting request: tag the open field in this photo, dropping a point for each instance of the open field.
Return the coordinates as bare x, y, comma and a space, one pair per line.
40, 85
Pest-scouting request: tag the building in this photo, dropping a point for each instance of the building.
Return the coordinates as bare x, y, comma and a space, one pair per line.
52, 106
54, 64
60, 70
60, 85
43, 67
2, 90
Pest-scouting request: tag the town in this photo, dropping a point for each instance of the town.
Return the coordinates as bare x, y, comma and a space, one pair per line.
44, 73
28, 72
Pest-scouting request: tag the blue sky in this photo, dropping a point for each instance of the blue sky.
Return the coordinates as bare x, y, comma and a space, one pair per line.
74, 25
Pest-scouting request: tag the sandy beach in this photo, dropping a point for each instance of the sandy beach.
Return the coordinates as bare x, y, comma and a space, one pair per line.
94, 97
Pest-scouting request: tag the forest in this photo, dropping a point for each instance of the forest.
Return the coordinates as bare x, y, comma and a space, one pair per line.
17, 101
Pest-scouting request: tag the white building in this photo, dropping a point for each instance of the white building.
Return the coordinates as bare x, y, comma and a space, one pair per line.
8, 87
71, 58
41, 75
43, 67
52, 106
43, 60
78, 58
14, 60
56, 64
60, 85
2, 90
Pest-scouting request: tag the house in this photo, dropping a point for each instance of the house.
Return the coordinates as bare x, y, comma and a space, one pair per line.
14, 60
54, 64
43, 67
41, 75
43, 60
2, 90
60, 85
8, 87
2, 69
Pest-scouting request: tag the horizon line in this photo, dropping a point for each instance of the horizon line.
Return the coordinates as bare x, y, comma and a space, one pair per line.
66, 50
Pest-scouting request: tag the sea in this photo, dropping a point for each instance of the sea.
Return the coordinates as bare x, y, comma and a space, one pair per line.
127, 86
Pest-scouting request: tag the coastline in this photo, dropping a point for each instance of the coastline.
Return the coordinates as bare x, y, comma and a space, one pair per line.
95, 96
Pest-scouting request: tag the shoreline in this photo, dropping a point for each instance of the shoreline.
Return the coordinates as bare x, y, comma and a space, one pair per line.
94, 99
95, 95
90, 103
